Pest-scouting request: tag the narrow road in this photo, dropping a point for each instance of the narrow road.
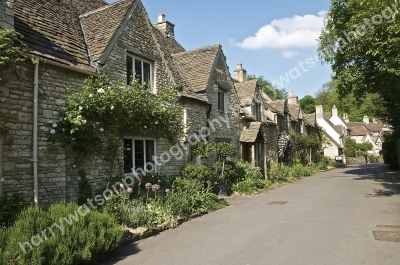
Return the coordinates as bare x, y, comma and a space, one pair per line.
328, 219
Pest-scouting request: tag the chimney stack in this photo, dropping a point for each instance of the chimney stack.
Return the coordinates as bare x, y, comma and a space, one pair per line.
346, 118
240, 73
7, 14
334, 111
319, 112
366, 119
292, 99
165, 26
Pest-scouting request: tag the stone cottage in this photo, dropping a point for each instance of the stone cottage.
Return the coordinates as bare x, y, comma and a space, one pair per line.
71, 40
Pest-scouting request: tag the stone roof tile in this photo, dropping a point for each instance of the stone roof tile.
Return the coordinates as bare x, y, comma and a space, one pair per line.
100, 26
170, 46
309, 119
246, 91
196, 65
249, 135
294, 111
51, 28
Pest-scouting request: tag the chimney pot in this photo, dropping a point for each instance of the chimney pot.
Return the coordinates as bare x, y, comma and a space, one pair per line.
161, 17
334, 111
366, 119
240, 73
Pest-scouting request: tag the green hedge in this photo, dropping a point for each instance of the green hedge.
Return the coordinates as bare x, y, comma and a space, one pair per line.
65, 234
10, 208
389, 151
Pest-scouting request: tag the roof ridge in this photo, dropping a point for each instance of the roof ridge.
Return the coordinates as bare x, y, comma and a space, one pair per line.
102, 8
195, 50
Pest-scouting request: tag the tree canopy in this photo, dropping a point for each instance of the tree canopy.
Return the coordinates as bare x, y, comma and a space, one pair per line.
360, 40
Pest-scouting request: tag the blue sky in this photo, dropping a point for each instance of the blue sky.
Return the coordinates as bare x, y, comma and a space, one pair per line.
275, 39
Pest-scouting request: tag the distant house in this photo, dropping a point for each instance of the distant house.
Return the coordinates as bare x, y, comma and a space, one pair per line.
335, 130
368, 132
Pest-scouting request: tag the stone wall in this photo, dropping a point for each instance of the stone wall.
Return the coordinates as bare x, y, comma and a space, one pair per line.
7, 14
228, 130
356, 160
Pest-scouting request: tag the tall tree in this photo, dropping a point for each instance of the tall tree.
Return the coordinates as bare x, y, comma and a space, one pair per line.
360, 40
307, 104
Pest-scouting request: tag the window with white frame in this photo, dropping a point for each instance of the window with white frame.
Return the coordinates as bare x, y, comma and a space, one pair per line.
221, 101
139, 153
139, 69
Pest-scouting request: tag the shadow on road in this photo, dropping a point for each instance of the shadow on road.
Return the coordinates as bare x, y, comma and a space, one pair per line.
121, 254
387, 178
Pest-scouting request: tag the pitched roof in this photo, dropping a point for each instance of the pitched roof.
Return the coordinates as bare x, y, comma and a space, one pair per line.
374, 127
196, 65
278, 105
100, 25
246, 91
249, 134
309, 119
331, 139
294, 110
358, 130
51, 28
170, 46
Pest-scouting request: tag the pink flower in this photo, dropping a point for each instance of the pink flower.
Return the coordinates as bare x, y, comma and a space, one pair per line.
167, 190
148, 185
155, 187
129, 190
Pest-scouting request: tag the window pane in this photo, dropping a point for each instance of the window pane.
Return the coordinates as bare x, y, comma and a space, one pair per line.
128, 161
138, 70
129, 70
221, 101
139, 154
146, 74
149, 155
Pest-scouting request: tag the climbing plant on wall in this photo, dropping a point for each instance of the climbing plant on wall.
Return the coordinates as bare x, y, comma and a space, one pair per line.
12, 49
102, 113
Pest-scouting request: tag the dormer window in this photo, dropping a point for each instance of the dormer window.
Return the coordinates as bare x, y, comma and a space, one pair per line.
140, 69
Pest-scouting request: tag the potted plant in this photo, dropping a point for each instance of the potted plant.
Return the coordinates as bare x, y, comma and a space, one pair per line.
223, 151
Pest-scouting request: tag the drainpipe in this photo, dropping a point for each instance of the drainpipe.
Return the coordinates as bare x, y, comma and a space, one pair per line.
35, 132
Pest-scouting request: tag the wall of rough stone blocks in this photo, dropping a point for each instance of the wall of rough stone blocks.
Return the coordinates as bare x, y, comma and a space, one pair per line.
229, 130
7, 14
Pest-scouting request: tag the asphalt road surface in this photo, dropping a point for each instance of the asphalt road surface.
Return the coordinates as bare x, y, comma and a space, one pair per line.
329, 218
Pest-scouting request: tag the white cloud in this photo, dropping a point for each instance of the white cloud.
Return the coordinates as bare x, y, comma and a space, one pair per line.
293, 32
289, 54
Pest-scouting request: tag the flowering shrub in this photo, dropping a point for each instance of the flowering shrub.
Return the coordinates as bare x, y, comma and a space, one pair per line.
283, 144
102, 113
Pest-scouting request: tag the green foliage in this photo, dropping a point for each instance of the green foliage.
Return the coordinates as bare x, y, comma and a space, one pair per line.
248, 179
10, 208
196, 172
301, 145
389, 150
364, 147
326, 163
202, 150
84, 188
269, 88
222, 172
350, 147
374, 159
102, 113
369, 63
283, 173
12, 49
89, 237
225, 150
307, 104
186, 198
